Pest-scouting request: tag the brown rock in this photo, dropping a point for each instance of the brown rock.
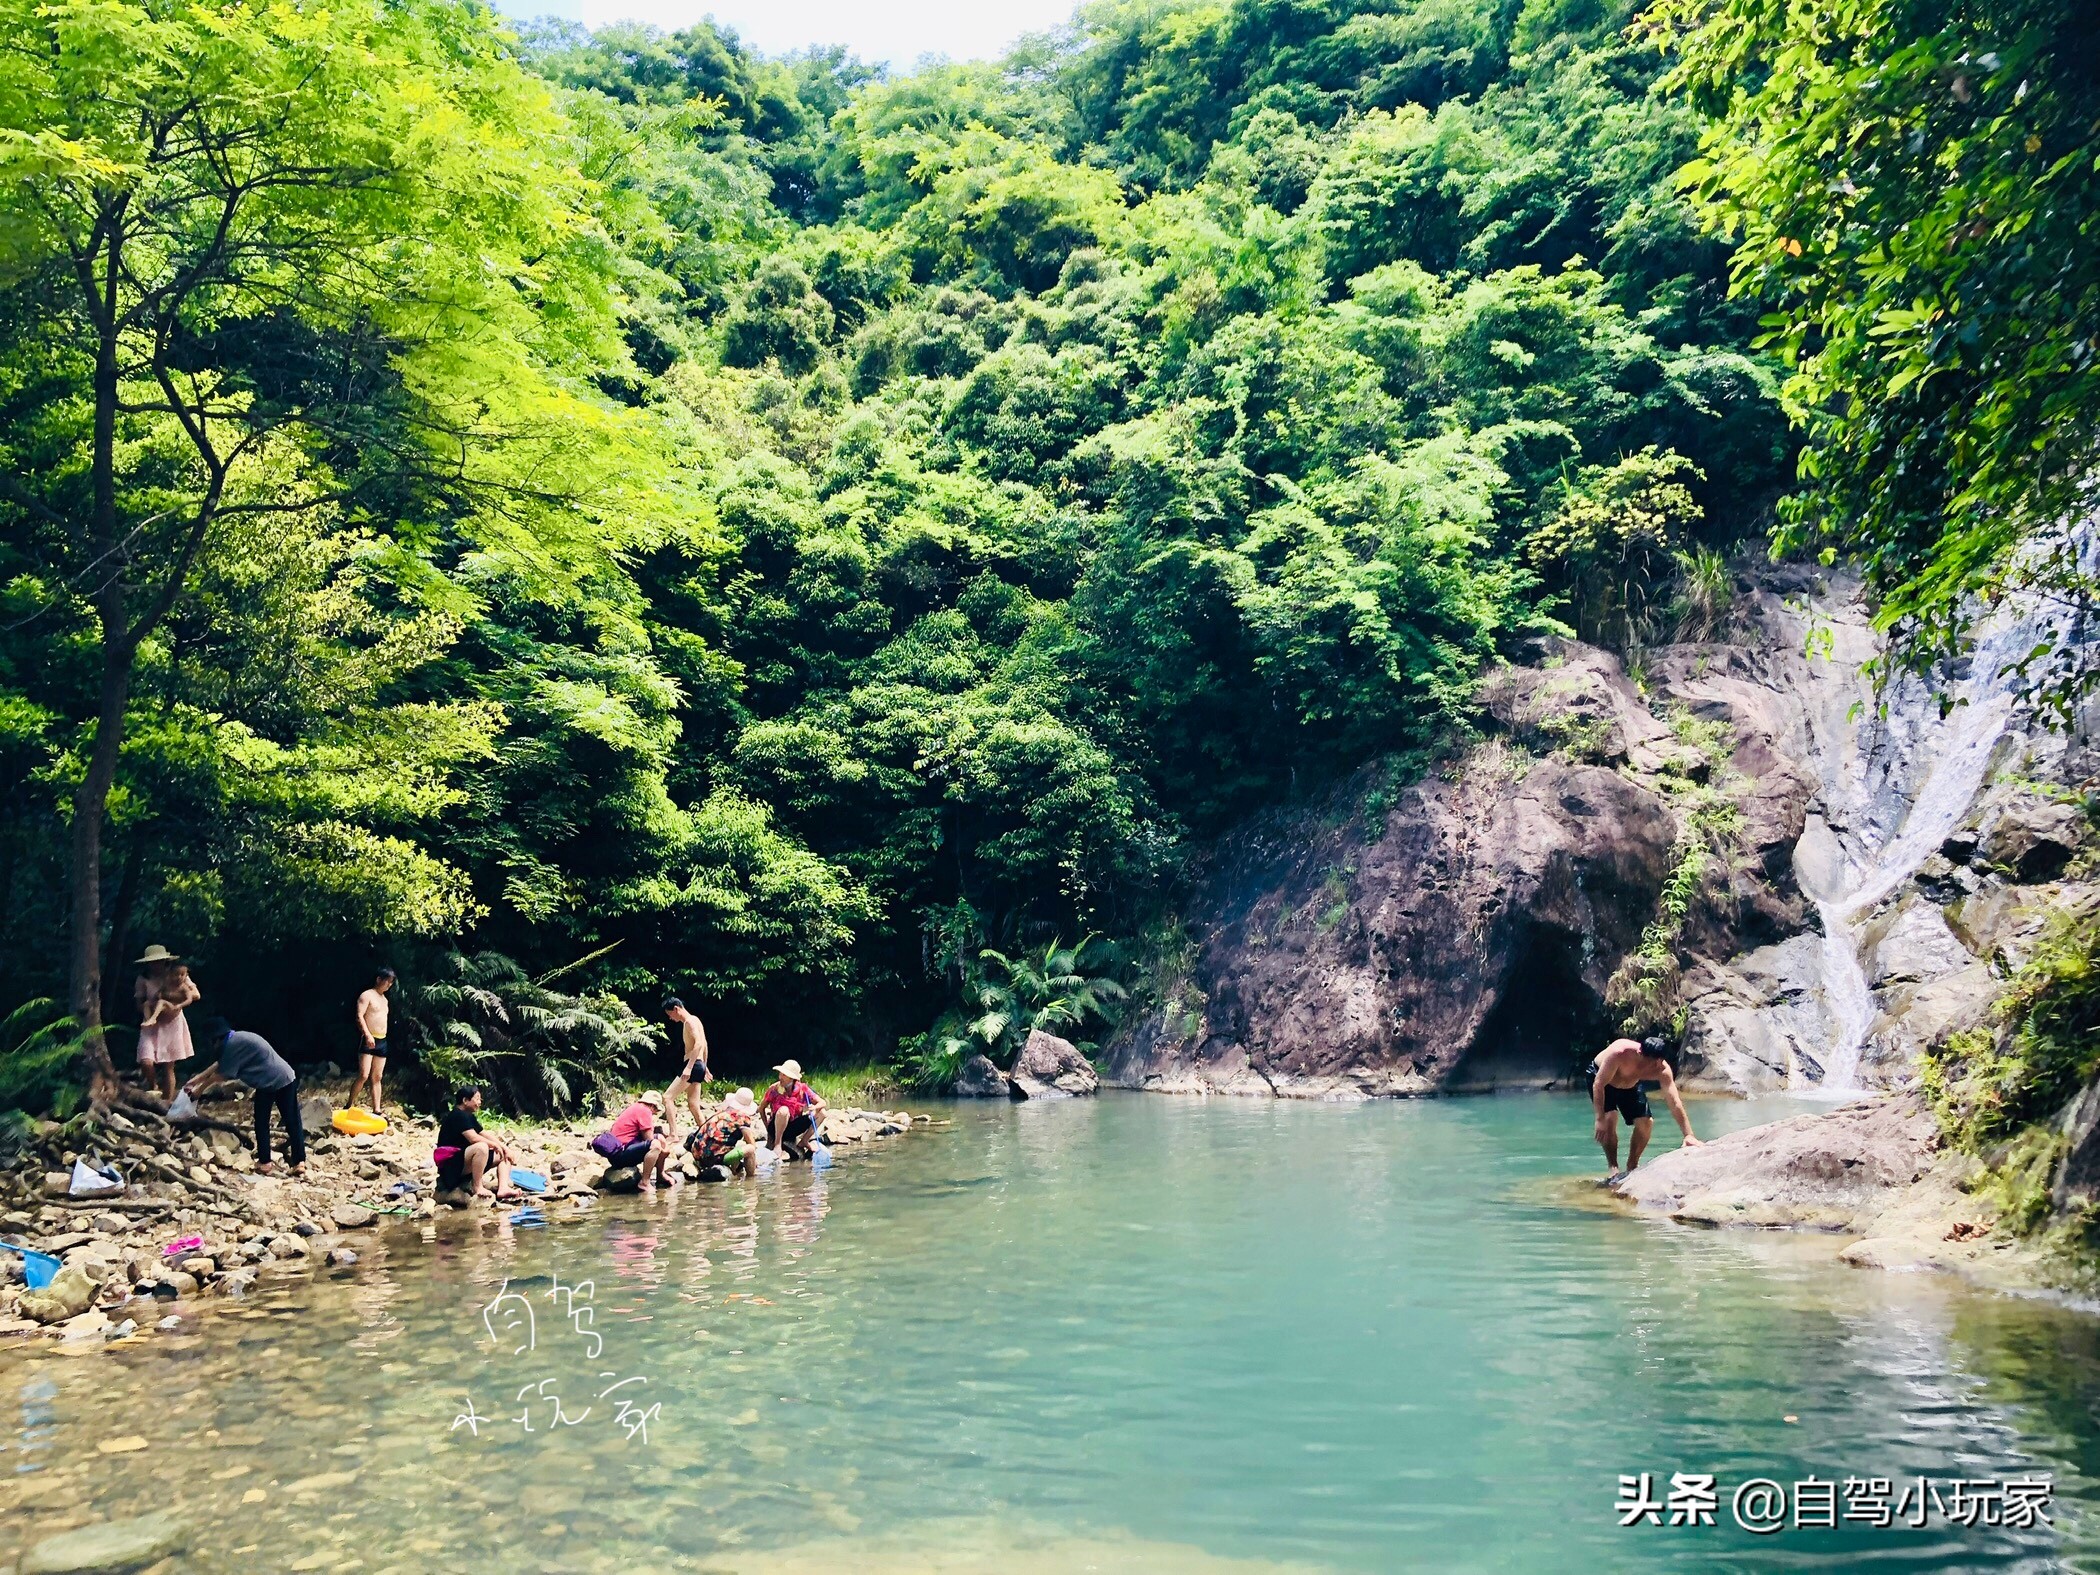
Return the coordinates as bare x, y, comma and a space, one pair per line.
1463, 939
980, 1079
1826, 1170
1052, 1068
2034, 837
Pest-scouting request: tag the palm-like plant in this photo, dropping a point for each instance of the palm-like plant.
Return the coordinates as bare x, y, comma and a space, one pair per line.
484, 1018
1050, 990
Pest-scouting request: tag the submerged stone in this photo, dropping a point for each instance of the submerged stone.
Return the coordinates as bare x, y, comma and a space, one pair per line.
110, 1548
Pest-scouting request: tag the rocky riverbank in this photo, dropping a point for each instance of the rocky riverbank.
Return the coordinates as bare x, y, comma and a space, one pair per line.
195, 1219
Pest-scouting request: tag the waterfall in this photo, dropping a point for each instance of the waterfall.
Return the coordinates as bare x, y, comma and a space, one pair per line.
1900, 772
1957, 752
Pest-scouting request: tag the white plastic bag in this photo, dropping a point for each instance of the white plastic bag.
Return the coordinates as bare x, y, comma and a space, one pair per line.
184, 1108
92, 1181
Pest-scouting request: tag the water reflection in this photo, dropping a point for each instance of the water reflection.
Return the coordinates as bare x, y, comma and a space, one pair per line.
1148, 1335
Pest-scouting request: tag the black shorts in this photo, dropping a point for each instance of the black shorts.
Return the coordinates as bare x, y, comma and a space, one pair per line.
1632, 1103
378, 1050
799, 1126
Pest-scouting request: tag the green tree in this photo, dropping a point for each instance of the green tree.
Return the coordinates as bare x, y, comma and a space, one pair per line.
1912, 188
277, 261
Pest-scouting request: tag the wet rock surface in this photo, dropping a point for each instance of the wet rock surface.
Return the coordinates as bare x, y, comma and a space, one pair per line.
1886, 865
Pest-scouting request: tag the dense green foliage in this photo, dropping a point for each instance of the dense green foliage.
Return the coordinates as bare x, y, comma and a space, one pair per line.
778, 531
1915, 188
1990, 1083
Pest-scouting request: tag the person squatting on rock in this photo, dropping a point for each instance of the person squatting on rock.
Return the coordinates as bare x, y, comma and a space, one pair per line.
633, 1141
1618, 1087
464, 1153
793, 1113
731, 1137
372, 1019
161, 992
248, 1058
691, 1042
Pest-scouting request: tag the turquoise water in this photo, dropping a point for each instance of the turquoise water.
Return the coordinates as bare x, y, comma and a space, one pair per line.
1135, 1334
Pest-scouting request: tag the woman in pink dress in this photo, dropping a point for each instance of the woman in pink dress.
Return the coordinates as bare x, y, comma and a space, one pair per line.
162, 991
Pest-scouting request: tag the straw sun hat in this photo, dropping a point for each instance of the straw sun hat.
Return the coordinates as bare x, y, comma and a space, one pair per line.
157, 953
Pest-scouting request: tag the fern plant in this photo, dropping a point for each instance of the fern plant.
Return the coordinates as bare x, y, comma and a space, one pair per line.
40, 1054
483, 1019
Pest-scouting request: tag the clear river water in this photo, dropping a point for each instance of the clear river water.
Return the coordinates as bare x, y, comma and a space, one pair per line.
1137, 1333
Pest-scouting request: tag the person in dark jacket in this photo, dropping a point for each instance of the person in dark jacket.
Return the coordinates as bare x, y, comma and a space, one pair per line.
248, 1058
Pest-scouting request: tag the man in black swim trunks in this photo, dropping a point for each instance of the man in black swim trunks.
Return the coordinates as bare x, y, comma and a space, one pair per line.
1619, 1080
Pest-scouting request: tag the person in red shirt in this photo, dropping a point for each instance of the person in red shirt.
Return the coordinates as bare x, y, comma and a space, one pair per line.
633, 1140
793, 1113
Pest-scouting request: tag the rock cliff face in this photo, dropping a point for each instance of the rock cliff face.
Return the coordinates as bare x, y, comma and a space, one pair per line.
1469, 938
1873, 869
1461, 936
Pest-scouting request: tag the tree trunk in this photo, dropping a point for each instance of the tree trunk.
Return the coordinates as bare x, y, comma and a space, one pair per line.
91, 798
90, 804
120, 927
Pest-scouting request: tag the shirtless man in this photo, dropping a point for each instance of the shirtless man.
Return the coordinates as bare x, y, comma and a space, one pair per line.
371, 1031
1615, 1078
693, 1041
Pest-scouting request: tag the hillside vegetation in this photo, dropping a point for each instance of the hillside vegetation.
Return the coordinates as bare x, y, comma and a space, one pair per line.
616, 514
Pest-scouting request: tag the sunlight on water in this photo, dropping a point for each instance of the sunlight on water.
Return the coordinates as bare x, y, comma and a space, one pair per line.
1138, 1334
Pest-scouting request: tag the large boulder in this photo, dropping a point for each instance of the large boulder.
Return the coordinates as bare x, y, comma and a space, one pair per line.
1836, 1169
2033, 837
1052, 1068
621, 1178
316, 1114
980, 1079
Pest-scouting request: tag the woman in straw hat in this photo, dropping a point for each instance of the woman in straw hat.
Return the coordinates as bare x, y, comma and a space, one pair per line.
162, 991
793, 1114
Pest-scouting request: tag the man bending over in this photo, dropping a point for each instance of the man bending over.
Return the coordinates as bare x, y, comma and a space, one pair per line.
1618, 1087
